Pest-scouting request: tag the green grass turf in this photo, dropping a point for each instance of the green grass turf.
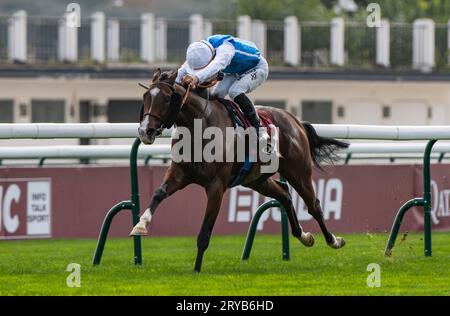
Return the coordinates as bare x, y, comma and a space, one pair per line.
39, 267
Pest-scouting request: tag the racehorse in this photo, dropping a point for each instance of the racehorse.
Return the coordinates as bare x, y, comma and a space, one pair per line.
166, 103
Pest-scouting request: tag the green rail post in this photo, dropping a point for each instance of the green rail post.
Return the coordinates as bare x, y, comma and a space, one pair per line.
285, 234
424, 201
398, 221
135, 199
124, 205
427, 197
347, 158
254, 224
132, 205
41, 162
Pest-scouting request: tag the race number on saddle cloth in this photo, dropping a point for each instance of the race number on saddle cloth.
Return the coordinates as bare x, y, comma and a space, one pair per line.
241, 63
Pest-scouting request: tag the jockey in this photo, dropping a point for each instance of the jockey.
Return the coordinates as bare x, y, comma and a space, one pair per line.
239, 60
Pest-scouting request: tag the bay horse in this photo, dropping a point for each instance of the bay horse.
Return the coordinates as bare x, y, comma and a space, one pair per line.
299, 145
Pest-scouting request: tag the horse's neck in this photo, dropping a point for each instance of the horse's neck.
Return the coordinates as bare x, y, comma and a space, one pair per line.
195, 107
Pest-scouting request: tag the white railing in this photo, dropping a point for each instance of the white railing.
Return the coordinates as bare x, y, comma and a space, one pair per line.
123, 151
80, 152
394, 148
129, 130
383, 132
66, 130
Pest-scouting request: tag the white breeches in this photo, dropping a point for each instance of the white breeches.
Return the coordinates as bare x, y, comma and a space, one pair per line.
234, 85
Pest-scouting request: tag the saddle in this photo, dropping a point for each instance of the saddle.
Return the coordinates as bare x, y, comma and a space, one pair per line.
238, 118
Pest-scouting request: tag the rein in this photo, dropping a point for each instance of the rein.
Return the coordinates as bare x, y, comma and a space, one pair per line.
186, 95
206, 85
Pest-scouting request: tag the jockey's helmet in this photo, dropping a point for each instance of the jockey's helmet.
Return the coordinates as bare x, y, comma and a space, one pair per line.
198, 56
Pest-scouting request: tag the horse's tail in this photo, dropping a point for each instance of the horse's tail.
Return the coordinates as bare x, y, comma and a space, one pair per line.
323, 149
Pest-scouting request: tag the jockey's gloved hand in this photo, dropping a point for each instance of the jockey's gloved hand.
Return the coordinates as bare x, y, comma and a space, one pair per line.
190, 80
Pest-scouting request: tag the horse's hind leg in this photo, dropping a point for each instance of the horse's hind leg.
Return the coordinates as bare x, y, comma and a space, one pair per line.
274, 189
305, 189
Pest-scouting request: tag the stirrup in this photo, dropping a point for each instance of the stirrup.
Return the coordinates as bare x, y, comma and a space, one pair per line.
267, 150
264, 139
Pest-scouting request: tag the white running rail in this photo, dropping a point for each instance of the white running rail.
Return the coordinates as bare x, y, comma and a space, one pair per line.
79, 152
129, 130
123, 151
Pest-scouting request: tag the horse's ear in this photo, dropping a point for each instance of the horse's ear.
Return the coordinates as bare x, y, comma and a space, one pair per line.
173, 76
156, 75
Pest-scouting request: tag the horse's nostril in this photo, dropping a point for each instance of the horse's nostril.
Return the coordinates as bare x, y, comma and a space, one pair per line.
141, 131
151, 131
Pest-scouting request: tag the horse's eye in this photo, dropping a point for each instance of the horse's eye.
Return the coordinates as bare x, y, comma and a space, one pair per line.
167, 99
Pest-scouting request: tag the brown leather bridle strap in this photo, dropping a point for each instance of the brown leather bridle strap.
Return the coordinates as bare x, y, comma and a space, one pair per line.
172, 88
154, 115
185, 96
163, 83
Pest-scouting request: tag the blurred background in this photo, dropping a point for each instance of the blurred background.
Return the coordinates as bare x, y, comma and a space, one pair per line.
328, 63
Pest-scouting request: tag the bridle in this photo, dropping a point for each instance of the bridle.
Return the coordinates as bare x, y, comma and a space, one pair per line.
176, 98
176, 101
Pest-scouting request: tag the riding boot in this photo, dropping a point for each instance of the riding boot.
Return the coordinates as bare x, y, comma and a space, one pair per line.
249, 111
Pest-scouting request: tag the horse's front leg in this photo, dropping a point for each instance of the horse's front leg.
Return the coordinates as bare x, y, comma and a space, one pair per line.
215, 194
174, 180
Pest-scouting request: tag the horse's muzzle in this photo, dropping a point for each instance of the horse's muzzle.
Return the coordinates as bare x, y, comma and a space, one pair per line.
148, 136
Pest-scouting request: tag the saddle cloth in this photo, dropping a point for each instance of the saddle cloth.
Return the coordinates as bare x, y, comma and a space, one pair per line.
238, 118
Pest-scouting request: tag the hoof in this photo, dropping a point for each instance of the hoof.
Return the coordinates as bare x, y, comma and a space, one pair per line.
138, 230
307, 239
388, 252
339, 242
